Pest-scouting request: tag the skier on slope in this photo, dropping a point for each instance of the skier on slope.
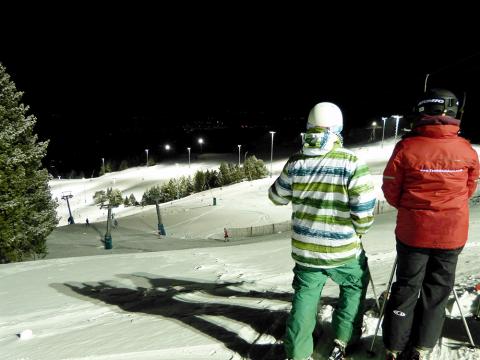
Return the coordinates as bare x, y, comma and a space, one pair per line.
333, 199
429, 178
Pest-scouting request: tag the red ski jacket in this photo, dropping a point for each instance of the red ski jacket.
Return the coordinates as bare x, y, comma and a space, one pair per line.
429, 179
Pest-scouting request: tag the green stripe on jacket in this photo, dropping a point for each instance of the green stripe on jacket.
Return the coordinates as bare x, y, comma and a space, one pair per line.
323, 248
325, 219
319, 186
322, 262
322, 204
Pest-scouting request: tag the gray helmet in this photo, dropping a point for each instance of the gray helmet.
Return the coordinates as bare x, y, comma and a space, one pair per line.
438, 102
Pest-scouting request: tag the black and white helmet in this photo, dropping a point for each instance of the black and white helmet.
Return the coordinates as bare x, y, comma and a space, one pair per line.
438, 102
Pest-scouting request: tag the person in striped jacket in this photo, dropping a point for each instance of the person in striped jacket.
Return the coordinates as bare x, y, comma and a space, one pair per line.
333, 199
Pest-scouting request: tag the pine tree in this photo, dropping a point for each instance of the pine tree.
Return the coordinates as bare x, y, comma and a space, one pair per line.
185, 186
152, 195
237, 173
133, 201
212, 180
254, 168
170, 190
123, 165
27, 210
190, 187
199, 180
114, 197
260, 169
99, 198
225, 176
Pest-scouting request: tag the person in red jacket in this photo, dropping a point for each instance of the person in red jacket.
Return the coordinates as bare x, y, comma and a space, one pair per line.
429, 178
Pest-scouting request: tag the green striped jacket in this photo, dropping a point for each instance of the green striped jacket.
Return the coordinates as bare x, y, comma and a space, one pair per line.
332, 199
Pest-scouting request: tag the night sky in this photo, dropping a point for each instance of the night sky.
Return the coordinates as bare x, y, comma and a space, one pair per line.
113, 86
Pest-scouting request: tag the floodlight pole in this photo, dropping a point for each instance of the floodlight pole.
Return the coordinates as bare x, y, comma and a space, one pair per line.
384, 119
239, 147
271, 154
397, 118
374, 130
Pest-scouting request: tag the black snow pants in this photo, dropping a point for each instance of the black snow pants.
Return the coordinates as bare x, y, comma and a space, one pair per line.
415, 311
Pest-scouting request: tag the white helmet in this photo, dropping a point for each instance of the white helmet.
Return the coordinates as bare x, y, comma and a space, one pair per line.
325, 115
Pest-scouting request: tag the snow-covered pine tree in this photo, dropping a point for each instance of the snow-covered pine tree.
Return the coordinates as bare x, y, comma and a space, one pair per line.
254, 168
151, 195
113, 197
199, 180
224, 174
132, 200
27, 210
99, 198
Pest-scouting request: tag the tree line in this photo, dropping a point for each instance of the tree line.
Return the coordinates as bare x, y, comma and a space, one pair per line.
177, 188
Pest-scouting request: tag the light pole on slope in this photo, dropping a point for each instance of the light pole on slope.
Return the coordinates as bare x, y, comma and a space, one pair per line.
271, 154
384, 119
397, 118
239, 147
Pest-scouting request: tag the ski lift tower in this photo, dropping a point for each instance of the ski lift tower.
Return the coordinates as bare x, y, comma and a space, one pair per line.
65, 196
108, 234
373, 127
161, 227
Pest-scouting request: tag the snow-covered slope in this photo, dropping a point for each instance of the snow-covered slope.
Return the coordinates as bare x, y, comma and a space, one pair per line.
188, 295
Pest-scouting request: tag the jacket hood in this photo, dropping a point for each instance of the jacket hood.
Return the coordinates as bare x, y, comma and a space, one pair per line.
435, 120
436, 131
319, 141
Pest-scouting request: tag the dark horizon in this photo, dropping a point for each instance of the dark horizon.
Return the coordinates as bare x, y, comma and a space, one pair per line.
106, 96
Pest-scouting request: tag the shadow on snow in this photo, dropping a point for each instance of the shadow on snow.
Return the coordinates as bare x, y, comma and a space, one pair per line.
169, 298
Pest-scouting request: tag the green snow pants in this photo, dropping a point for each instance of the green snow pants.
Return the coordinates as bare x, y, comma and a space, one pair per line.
347, 318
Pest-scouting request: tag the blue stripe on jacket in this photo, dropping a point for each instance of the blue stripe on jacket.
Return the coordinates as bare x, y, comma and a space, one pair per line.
324, 170
366, 206
305, 231
282, 183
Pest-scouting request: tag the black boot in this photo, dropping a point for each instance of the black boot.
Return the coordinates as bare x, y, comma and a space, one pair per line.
418, 354
338, 352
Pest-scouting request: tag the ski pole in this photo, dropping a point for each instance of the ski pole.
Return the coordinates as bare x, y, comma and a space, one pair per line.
370, 352
370, 277
463, 318
477, 314
373, 287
